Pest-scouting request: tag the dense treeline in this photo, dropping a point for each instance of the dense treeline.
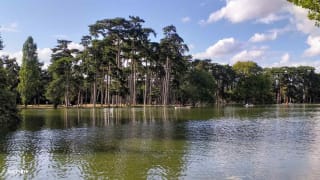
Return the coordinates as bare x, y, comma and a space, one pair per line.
120, 65
8, 84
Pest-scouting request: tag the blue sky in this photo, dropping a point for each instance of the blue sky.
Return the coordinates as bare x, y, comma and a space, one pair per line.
269, 32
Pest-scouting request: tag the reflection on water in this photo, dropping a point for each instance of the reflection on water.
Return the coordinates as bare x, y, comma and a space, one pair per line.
275, 142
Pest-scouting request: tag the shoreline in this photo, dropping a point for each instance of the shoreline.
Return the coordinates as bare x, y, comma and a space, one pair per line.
89, 106
45, 106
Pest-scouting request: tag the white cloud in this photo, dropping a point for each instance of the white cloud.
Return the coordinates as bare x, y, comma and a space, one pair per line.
284, 61
303, 24
270, 18
237, 11
249, 55
74, 45
17, 55
314, 49
285, 29
222, 48
264, 11
261, 37
186, 19
13, 27
300, 20
44, 56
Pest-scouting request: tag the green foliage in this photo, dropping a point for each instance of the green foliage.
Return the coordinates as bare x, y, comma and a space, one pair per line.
120, 65
55, 92
174, 62
246, 68
225, 78
198, 87
253, 86
313, 6
8, 110
30, 72
62, 73
254, 89
295, 84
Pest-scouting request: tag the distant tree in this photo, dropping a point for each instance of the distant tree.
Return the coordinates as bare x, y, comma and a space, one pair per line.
29, 74
252, 85
246, 68
198, 87
313, 6
294, 84
224, 76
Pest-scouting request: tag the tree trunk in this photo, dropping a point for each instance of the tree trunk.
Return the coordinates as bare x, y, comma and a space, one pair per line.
145, 90
102, 92
108, 84
66, 98
79, 96
166, 83
106, 98
94, 100
150, 91
134, 84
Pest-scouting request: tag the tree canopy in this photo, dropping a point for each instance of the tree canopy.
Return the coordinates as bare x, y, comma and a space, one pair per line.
8, 109
29, 74
119, 65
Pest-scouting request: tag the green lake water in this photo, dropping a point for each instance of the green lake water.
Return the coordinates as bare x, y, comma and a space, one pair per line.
262, 142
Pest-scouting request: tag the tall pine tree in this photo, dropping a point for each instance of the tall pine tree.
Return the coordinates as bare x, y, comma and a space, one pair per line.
29, 74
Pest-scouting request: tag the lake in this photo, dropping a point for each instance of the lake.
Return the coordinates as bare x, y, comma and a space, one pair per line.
233, 142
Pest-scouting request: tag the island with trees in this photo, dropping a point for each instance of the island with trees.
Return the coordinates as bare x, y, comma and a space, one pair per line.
119, 65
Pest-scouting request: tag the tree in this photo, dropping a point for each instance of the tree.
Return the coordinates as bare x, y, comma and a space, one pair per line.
198, 87
172, 50
12, 69
61, 71
294, 84
8, 109
29, 74
109, 52
313, 6
253, 86
138, 38
225, 77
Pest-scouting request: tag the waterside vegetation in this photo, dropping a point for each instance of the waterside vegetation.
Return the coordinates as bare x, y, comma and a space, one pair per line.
119, 65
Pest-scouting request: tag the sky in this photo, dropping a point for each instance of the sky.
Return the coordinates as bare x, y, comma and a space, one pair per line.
272, 33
